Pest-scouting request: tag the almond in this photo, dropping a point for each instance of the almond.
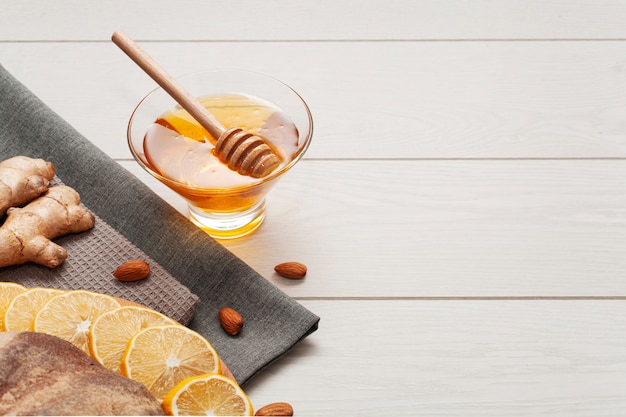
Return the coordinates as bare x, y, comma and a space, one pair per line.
134, 270
231, 321
275, 409
291, 270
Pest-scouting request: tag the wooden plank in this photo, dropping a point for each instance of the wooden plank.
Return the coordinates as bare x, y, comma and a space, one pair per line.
443, 228
414, 100
450, 358
324, 19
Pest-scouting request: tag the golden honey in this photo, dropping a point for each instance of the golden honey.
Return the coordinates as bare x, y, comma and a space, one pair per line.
181, 151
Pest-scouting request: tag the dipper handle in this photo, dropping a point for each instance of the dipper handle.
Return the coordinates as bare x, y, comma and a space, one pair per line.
166, 81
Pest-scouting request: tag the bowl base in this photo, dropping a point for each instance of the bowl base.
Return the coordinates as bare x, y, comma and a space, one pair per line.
230, 225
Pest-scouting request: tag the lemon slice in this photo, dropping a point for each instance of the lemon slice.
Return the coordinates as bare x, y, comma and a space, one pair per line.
111, 332
21, 312
162, 356
8, 290
207, 395
70, 315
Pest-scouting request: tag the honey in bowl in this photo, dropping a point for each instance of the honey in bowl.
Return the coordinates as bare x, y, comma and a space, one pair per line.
179, 149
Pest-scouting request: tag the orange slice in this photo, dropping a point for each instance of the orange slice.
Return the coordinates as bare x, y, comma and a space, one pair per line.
21, 312
207, 395
162, 356
111, 332
70, 315
8, 290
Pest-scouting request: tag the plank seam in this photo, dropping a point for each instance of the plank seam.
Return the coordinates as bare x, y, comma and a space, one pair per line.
371, 40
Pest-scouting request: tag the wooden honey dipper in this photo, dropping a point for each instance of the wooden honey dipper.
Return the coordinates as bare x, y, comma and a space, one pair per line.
242, 151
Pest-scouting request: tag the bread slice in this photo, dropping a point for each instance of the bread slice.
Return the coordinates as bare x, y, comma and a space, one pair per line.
45, 375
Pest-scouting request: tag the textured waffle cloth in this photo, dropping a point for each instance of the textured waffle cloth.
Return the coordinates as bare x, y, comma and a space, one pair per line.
94, 255
192, 273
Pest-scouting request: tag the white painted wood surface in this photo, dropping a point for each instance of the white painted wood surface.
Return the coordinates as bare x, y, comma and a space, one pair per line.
372, 99
462, 209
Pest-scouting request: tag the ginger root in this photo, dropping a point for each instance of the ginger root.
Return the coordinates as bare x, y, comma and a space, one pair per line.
23, 179
27, 231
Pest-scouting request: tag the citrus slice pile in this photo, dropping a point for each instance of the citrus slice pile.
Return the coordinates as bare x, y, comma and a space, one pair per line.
172, 361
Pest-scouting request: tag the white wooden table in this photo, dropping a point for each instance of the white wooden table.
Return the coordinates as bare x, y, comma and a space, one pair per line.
462, 209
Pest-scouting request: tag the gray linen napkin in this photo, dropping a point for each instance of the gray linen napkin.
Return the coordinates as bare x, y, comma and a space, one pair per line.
274, 321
